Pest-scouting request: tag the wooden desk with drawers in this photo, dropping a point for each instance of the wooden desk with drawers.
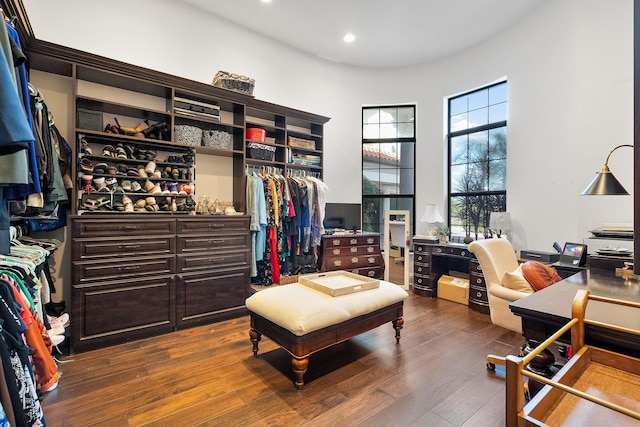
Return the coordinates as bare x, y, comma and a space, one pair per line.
432, 260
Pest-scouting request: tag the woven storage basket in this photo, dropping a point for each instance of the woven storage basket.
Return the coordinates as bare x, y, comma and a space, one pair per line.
261, 151
187, 134
234, 82
216, 139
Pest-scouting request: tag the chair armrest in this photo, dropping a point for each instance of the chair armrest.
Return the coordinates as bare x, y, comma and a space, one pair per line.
506, 293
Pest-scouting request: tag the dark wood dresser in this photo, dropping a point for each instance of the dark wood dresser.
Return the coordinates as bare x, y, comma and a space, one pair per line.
355, 252
134, 276
432, 260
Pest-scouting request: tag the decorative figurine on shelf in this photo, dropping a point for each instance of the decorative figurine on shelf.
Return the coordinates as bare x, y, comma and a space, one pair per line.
217, 208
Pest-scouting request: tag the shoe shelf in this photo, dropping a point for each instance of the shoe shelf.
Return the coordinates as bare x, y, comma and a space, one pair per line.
120, 176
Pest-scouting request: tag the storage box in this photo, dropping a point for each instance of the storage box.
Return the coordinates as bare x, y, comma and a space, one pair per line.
540, 256
89, 119
216, 139
453, 289
302, 143
234, 82
336, 283
256, 134
187, 134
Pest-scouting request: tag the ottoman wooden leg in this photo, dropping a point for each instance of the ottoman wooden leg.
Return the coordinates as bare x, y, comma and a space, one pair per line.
397, 325
299, 368
255, 337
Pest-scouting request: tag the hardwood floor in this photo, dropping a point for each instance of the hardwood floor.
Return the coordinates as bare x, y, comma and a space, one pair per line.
207, 376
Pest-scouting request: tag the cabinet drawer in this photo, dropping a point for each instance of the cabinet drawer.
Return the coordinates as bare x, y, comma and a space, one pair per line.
477, 294
191, 263
207, 224
474, 266
123, 226
451, 250
421, 259
331, 241
421, 249
114, 312
212, 242
477, 281
101, 247
421, 269
201, 296
123, 268
351, 250
348, 262
422, 282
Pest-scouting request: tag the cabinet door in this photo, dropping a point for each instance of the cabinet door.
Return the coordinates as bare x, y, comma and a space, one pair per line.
211, 296
117, 311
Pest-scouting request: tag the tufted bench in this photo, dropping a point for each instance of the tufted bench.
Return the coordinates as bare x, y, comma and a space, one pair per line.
302, 320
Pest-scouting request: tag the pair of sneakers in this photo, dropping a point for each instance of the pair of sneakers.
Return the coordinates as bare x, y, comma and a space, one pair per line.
58, 326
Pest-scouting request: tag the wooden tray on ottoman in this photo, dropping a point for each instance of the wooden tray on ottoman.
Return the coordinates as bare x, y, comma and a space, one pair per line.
336, 283
594, 388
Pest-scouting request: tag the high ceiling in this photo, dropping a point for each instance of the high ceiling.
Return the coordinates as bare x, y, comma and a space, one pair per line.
387, 33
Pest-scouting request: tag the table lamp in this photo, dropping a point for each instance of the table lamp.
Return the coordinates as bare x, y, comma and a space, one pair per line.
500, 221
605, 183
433, 219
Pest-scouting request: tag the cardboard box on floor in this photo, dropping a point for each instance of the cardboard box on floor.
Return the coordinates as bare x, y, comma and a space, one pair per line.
454, 289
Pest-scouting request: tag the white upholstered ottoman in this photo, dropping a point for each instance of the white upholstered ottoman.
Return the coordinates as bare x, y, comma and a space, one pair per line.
302, 320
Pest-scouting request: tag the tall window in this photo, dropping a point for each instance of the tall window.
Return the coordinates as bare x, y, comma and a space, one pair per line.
477, 159
388, 163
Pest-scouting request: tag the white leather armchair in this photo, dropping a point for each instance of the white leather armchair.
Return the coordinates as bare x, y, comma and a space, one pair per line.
496, 257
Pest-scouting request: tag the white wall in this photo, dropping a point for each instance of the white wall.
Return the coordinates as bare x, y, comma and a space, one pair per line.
569, 67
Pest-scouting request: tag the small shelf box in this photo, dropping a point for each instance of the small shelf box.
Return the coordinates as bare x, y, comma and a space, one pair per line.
302, 143
337, 283
261, 151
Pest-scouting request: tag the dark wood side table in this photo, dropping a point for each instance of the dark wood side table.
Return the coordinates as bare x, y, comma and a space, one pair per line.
546, 311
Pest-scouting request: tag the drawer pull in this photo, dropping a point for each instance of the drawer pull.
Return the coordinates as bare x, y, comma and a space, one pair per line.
463, 253
371, 273
336, 251
134, 246
129, 227
419, 269
370, 249
478, 294
354, 260
478, 281
478, 267
353, 241
216, 241
218, 259
128, 267
337, 263
419, 248
370, 240
419, 258
354, 250
439, 250
336, 242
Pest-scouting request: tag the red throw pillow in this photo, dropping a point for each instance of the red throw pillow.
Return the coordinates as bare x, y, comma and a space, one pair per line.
539, 275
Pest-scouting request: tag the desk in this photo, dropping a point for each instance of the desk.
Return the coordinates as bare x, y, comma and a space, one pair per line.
545, 311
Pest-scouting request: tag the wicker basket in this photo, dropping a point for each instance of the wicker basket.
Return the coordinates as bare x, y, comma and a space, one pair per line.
261, 151
234, 82
187, 134
216, 139
302, 143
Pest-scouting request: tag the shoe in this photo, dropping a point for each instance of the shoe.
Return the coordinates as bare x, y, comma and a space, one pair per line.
157, 174
101, 168
99, 183
112, 170
108, 151
63, 320
56, 340
155, 130
174, 189
86, 165
139, 128
85, 148
111, 183
120, 152
135, 186
142, 173
126, 185
148, 186
86, 183
150, 168
56, 329
128, 204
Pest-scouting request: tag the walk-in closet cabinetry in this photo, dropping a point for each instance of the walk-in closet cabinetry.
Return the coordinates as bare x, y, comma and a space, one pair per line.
142, 273
135, 277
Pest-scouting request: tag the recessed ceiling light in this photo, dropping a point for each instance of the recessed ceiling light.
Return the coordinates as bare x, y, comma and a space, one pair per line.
349, 37
266, 1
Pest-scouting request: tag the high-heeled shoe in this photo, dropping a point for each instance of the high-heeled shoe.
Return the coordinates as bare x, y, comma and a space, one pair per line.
155, 131
138, 129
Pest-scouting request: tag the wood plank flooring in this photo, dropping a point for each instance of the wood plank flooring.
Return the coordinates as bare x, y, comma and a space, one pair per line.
207, 376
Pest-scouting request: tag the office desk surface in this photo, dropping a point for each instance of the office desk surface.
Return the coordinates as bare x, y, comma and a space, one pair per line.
545, 311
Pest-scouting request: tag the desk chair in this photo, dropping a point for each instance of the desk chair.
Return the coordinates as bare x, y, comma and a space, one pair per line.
496, 257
